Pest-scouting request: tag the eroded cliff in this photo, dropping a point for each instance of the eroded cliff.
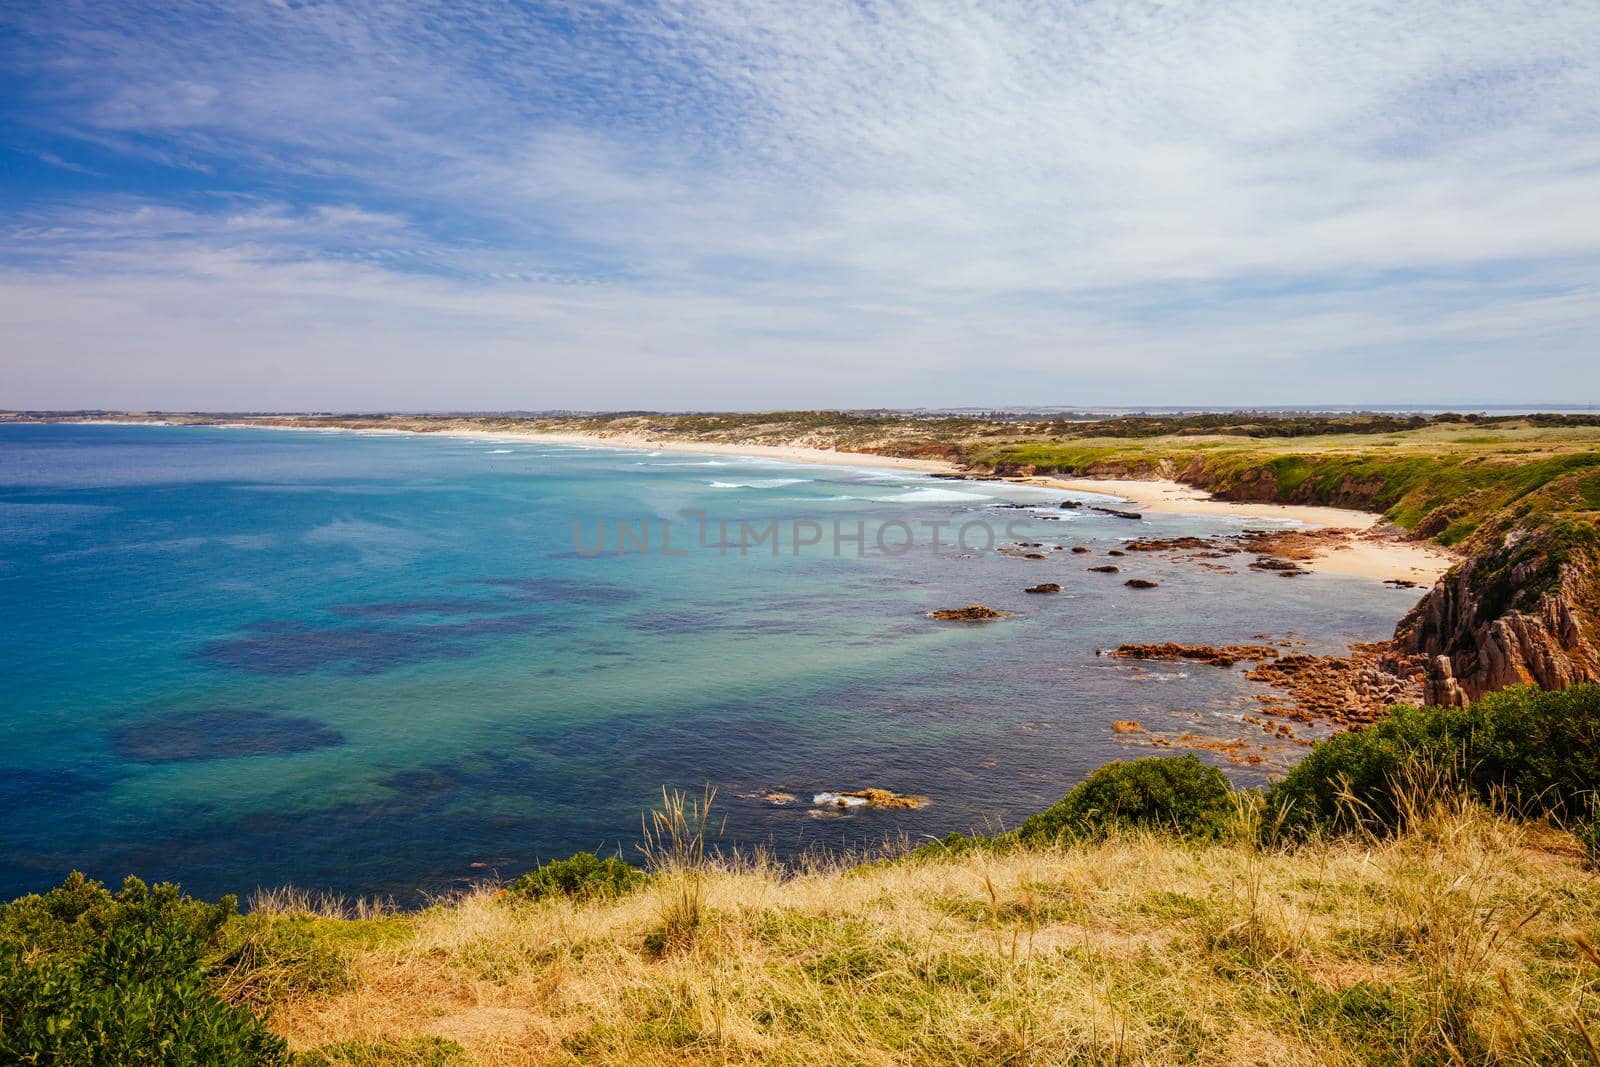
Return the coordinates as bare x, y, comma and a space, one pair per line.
1523, 610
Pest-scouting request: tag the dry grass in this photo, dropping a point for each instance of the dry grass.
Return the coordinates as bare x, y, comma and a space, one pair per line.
1461, 941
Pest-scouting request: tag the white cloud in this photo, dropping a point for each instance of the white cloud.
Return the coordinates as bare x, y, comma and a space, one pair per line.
774, 203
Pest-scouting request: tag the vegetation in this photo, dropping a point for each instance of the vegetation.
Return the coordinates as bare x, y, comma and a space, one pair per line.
1434, 482
1413, 914
1174, 794
1423, 891
1529, 752
582, 875
88, 977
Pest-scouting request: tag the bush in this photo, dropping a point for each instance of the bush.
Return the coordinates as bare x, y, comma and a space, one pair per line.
582, 875
1538, 750
89, 978
1176, 794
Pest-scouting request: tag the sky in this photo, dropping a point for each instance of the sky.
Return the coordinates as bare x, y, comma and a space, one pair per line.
464, 205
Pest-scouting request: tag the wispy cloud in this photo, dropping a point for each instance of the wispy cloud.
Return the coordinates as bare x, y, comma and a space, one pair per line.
833, 203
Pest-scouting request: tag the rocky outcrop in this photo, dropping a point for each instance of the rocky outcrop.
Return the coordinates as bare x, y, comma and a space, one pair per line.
1524, 611
1350, 690
970, 613
868, 798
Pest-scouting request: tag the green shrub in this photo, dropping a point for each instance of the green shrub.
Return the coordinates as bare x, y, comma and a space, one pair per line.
88, 978
581, 875
1176, 794
1539, 751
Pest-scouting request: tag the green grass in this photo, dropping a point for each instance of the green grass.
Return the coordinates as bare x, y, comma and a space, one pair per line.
1447, 488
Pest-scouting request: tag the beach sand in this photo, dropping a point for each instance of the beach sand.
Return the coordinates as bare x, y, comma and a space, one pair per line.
1371, 553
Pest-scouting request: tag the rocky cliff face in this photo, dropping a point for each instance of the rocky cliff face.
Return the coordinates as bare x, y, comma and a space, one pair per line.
1525, 610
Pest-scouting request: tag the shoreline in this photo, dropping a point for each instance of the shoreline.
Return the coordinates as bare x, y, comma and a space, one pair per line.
1371, 551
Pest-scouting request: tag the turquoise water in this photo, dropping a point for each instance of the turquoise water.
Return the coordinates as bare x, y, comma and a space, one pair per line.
385, 663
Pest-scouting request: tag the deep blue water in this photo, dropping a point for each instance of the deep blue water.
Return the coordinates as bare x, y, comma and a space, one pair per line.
381, 663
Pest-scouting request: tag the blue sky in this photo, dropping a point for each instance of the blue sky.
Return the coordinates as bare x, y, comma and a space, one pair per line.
463, 205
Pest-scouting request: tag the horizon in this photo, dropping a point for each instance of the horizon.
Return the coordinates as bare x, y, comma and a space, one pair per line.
487, 207
1019, 411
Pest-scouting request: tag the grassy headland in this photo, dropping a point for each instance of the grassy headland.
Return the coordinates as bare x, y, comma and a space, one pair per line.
1447, 482
1428, 914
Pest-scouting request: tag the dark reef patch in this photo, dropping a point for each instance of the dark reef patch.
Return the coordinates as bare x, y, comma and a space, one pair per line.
25, 789
558, 591
406, 609
674, 622
220, 733
288, 647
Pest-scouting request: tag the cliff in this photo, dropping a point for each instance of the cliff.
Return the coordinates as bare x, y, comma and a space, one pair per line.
1524, 610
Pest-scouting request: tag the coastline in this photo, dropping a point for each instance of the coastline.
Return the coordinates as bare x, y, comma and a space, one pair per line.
1372, 551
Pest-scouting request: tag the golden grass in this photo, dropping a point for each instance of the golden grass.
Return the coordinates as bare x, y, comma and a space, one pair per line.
1461, 941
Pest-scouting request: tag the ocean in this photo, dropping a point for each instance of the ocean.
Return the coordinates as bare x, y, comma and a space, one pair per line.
397, 664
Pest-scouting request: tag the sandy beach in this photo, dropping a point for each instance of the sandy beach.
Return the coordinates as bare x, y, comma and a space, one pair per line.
1370, 553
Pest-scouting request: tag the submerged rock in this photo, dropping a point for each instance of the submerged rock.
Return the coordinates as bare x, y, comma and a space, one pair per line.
1140, 583
1109, 568
1168, 544
1043, 587
771, 796
1217, 656
1282, 566
970, 613
1080, 549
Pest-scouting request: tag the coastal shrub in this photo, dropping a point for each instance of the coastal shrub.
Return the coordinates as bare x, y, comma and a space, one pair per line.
1536, 751
96, 979
582, 875
1175, 794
